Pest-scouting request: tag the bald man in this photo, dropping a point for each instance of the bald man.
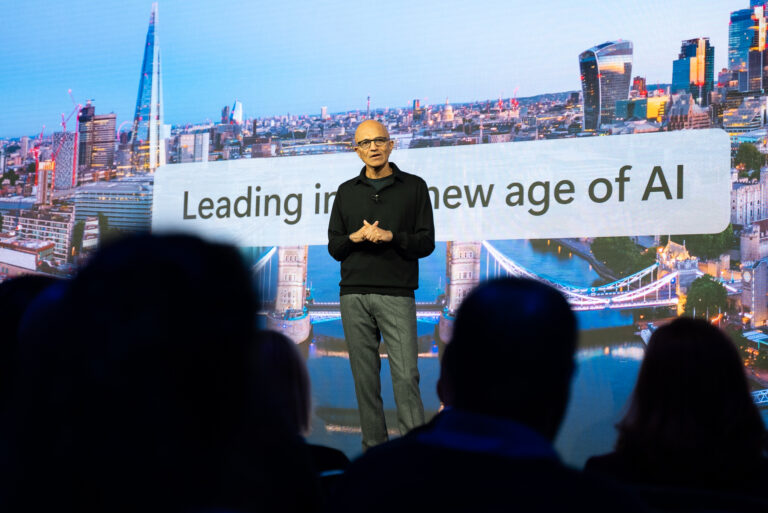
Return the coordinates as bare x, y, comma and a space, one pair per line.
381, 224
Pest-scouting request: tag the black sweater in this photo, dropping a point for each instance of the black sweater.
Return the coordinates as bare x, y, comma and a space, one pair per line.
404, 208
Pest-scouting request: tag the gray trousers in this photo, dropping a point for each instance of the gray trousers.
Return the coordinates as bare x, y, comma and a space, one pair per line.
367, 317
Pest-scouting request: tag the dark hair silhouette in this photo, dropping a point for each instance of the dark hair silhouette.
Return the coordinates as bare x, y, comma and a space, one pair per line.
691, 415
283, 382
143, 387
16, 295
511, 354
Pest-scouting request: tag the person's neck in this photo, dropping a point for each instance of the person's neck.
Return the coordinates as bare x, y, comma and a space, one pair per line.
378, 172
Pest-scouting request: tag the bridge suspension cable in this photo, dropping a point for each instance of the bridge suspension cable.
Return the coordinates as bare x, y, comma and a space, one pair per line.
612, 295
262, 271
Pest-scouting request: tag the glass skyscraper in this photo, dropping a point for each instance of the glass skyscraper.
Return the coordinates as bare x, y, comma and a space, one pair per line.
694, 70
606, 73
97, 139
66, 160
740, 36
147, 144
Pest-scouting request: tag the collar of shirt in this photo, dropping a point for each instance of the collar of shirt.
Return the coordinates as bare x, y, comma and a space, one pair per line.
473, 432
395, 173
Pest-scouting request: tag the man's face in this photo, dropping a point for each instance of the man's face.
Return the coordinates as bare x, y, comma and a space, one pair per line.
377, 154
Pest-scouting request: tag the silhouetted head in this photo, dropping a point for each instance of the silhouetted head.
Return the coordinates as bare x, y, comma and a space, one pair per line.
691, 402
16, 296
283, 382
142, 378
512, 354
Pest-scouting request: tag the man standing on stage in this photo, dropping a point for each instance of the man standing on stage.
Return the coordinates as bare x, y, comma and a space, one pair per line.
381, 224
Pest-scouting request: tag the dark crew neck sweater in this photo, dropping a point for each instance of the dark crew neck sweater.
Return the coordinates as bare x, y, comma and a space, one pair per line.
403, 207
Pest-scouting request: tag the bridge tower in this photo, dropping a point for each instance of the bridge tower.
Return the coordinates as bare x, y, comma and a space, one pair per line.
462, 274
290, 315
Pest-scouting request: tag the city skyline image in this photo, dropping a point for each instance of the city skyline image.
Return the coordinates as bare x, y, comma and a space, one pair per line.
267, 59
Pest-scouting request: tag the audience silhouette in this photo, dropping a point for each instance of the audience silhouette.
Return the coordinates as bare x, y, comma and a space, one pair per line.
142, 385
691, 421
138, 392
285, 391
16, 296
505, 380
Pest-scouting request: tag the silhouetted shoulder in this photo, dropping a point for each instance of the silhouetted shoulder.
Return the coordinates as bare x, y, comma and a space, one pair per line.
420, 476
611, 465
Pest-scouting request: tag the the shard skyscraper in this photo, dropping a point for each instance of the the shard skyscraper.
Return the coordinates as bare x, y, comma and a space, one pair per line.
147, 141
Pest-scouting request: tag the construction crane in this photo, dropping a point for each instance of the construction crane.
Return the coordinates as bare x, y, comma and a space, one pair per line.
36, 151
513, 103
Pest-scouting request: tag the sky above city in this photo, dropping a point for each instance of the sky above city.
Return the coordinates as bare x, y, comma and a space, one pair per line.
296, 56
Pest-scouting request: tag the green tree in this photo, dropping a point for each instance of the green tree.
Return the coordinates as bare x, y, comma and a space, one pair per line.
621, 255
103, 223
11, 176
30, 168
749, 158
705, 296
107, 233
707, 246
77, 236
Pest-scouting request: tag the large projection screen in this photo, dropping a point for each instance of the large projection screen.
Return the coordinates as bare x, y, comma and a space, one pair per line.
611, 149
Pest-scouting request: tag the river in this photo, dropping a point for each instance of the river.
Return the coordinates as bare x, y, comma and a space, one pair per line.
608, 358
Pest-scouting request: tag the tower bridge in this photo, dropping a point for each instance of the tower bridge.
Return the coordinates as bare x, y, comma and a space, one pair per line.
650, 287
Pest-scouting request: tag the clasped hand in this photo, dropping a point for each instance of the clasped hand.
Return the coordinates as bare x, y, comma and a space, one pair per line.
371, 232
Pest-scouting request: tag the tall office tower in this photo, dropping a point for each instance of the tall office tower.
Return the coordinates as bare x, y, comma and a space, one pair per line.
757, 61
323, 112
606, 71
103, 151
147, 145
193, 147
418, 112
694, 70
85, 140
236, 118
740, 35
24, 143
97, 139
44, 182
225, 115
747, 52
66, 159
638, 87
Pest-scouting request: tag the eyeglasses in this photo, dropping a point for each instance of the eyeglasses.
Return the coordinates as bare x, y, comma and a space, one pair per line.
379, 142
